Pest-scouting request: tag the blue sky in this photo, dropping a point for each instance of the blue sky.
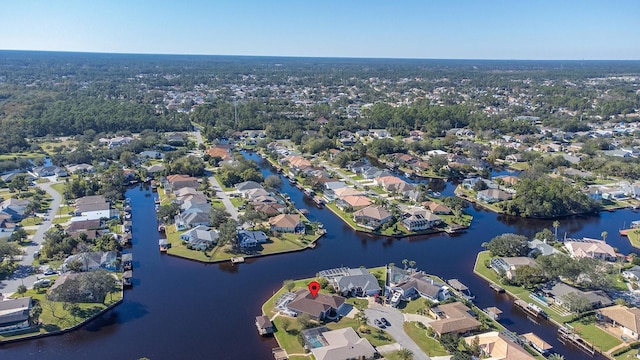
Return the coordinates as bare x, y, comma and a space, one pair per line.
452, 29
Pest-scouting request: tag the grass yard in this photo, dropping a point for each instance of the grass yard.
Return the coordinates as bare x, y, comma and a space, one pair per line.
65, 210
225, 188
429, 345
54, 317
634, 238
376, 337
59, 187
61, 219
237, 201
594, 335
31, 221
413, 306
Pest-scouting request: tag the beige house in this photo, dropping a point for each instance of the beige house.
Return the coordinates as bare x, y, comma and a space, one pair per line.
453, 318
343, 344
371, 217
496, 346
290, 223
592, 248
625, 318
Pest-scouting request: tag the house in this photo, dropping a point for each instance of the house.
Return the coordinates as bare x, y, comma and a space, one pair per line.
453, 318
341, 344
333, 185
296, 163
264, 325
255, 193
84, 225
245, 186
179, 181
51, 170
371, 217
509, 265
192, 219
392, 183
270, 209
150, 154
116, 141
419, 284
154, 169
354, 202
14, 314
175, 138
352, 282
92, 261
289, 223
249, 239
556, 292
596, 249
81, 168
320, 307
219, 152
14, 208
624, 318
542, 248
346, 191
417, 219
497, 346
94, 208
200, 237
10, 176
493, 195
437, 208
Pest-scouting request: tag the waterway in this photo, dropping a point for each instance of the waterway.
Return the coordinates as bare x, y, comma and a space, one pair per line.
179, 309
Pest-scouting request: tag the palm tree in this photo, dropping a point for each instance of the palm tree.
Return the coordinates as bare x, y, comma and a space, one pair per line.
405, 262
556, 223
405, 354
604, 235
412, 264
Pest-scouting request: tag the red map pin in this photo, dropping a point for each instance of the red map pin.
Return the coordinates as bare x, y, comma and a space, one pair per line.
314, 287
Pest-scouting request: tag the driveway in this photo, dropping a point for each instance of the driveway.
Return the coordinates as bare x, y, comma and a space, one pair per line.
22, 274
396, 318
223, 196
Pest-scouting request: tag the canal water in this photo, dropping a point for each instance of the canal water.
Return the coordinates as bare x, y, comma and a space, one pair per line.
180, 309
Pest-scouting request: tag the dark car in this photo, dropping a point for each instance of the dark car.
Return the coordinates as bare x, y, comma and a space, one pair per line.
385, 321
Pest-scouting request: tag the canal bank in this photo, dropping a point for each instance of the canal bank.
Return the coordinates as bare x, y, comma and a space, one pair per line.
184, 309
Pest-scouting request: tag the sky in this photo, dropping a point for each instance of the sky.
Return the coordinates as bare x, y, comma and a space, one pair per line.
429, 29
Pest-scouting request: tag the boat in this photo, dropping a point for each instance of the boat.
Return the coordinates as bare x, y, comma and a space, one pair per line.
164, 245
127, 278
156, 201
461, 288
537, 344
237, 260
532, 309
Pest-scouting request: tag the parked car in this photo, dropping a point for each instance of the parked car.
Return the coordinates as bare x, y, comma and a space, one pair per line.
49, 271
385, 321
42, 283
379, 323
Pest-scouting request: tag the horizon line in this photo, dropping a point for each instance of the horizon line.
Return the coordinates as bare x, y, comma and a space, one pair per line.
299, 56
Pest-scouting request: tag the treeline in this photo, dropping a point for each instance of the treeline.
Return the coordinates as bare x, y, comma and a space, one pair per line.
542, 196
72, 115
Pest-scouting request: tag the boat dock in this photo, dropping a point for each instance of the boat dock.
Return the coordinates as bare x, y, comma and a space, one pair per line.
461, 288
496, 288
537, 343
530, 308
566, 335
237, 260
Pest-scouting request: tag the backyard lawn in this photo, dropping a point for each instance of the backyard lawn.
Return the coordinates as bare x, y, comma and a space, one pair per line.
428, 344
594, 335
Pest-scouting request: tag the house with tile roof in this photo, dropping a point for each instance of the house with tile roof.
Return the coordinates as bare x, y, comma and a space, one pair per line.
454, 318
592, 248
624, 318
418, 219
496, 346
320, 307
343, 344
290, 223
372, 217
355, 202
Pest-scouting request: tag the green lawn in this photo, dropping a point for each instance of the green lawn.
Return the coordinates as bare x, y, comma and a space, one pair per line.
519, 166
65, 209
429, 345
591, 334
61, 219
360, 304
62, 318
237, 201
414, 306
634, 238
225, 188
59, 187
31, 221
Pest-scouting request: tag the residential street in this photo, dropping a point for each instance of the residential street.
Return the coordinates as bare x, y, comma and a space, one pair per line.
396, 318
22, 275
223, 196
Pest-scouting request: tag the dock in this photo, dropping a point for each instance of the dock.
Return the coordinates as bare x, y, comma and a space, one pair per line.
127, 278
455, 229
461, 288
566, 335
237, 260
164, 245
496, 288
537, 343
530, 308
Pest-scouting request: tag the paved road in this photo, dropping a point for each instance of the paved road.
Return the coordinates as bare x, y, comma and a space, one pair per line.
23, 274
396, 318
223, 196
